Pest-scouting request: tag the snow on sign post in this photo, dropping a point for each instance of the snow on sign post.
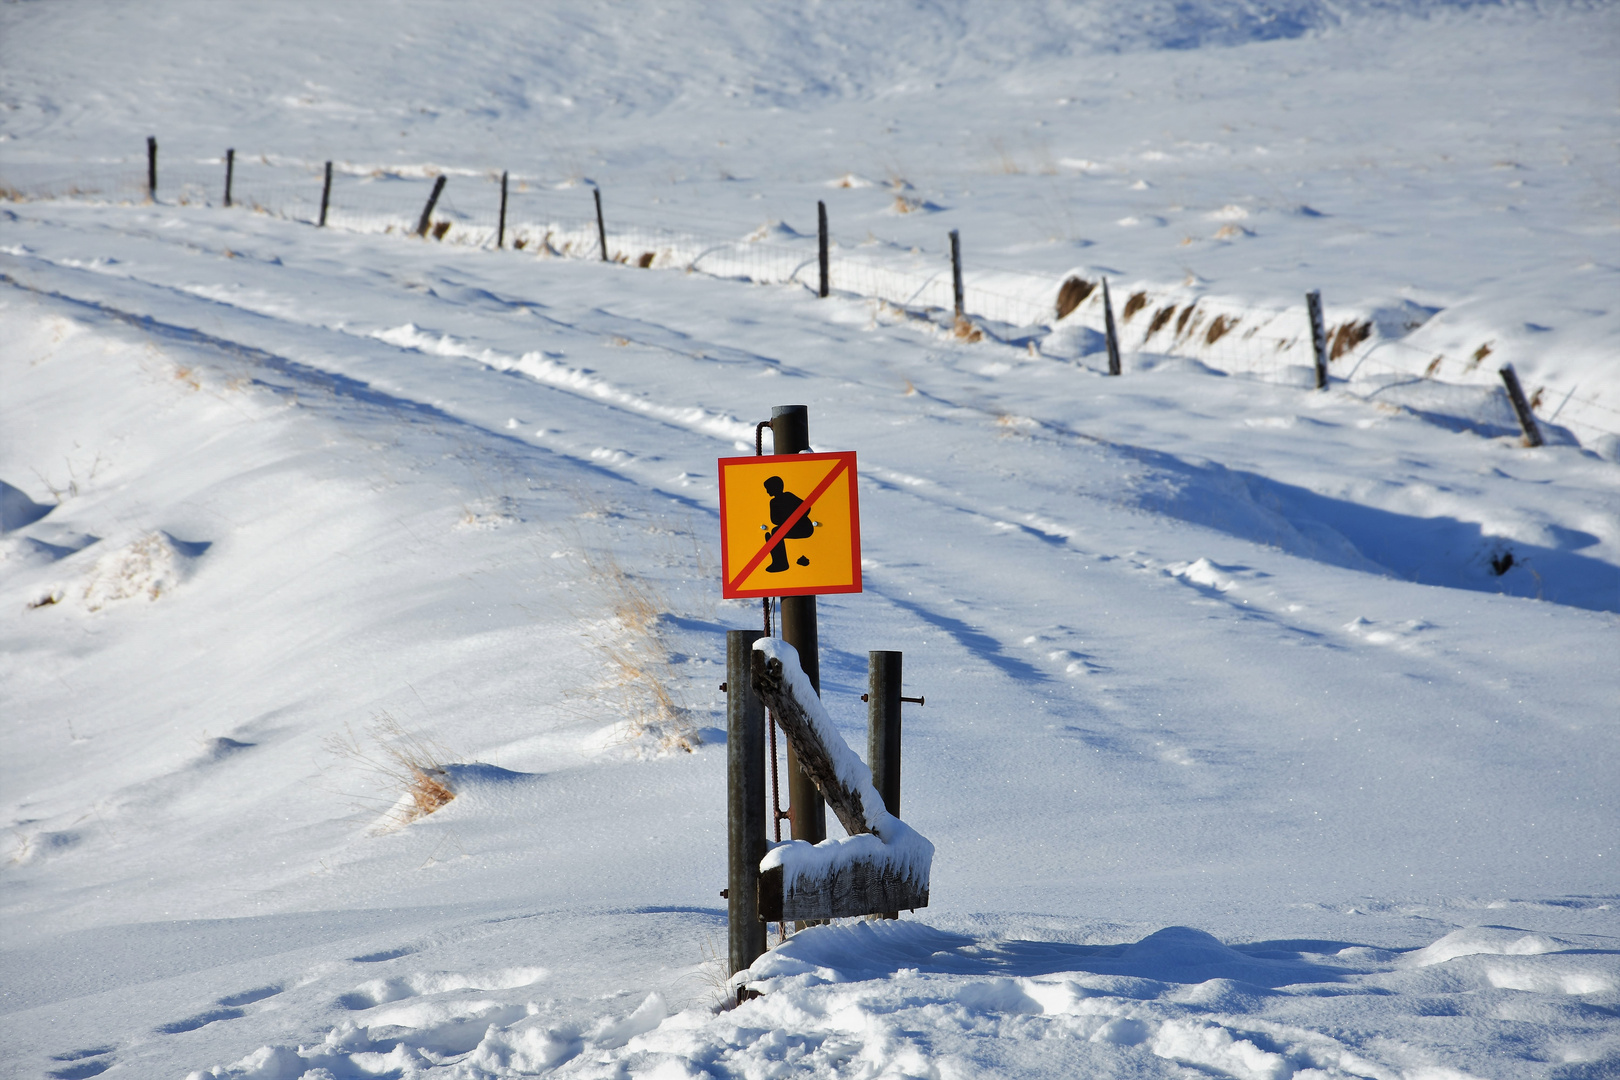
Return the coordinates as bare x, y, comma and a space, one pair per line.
790, 525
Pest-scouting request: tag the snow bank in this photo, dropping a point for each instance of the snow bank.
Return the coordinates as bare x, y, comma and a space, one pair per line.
892, 844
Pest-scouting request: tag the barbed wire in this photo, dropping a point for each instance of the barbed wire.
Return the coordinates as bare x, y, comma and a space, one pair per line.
1006, 303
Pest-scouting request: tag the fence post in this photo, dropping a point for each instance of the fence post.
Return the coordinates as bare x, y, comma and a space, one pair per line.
790, 432
427, 211
745, 801
500, 227
1113, 335
1527, 419
821, 230
956, 271
151, 168
230, 171
1313, 304
601, 228
883, 730
326, 195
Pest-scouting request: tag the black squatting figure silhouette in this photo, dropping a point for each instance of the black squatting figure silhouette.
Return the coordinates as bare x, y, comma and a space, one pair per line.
783, 503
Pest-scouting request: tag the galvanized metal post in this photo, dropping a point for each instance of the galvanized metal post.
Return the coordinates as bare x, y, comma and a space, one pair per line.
1313, 305
1113, 335
601, 227
790, 432
326, 194
745, 801
500, 226
883, 730
956, 271
230, 174
1527, 419
821, 230
151, 167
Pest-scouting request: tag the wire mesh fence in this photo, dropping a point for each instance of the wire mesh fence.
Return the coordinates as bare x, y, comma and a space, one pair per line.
557, 220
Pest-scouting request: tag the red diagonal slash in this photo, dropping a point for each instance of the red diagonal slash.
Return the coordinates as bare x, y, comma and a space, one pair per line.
786, 526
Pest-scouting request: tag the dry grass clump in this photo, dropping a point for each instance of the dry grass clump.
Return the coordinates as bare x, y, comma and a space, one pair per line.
642, 672
1072, 295
965, 330
1348, 336
408, 767
1219, 329
1160, 317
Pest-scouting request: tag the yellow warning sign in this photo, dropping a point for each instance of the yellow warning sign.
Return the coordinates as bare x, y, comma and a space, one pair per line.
789, 525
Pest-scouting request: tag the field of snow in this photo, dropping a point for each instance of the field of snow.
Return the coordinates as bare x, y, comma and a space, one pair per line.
1269, 732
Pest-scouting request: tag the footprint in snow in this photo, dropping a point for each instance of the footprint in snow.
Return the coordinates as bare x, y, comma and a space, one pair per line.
386, 954
248, 997
202, 1019
84, 1063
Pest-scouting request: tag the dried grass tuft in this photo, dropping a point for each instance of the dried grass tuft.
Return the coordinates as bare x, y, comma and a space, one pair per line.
1072, 295
642, 670
1181, 320
1160, 317
409, 768
440, 229
1348, 336
1219, 329
965, 330
1137, 301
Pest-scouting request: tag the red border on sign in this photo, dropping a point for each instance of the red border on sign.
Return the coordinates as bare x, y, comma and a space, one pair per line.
846, 460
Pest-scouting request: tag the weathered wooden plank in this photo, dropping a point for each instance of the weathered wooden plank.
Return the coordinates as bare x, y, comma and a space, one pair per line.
813, 757
855, 889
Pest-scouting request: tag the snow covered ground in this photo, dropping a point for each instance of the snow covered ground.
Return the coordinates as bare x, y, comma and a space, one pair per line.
1270, 732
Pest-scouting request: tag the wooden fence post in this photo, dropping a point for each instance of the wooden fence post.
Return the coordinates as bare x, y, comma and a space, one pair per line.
1313, 305
745, 801
230, 172
1527, 419
500, 227
601, 228
956, 271
821, 230
790, 433
427, 211
151, 168
326, 195
1112, 334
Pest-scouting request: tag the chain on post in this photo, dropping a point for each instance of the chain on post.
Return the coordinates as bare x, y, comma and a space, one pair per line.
770, 717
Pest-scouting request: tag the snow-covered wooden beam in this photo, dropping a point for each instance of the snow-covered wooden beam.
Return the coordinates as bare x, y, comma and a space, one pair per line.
883, 865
